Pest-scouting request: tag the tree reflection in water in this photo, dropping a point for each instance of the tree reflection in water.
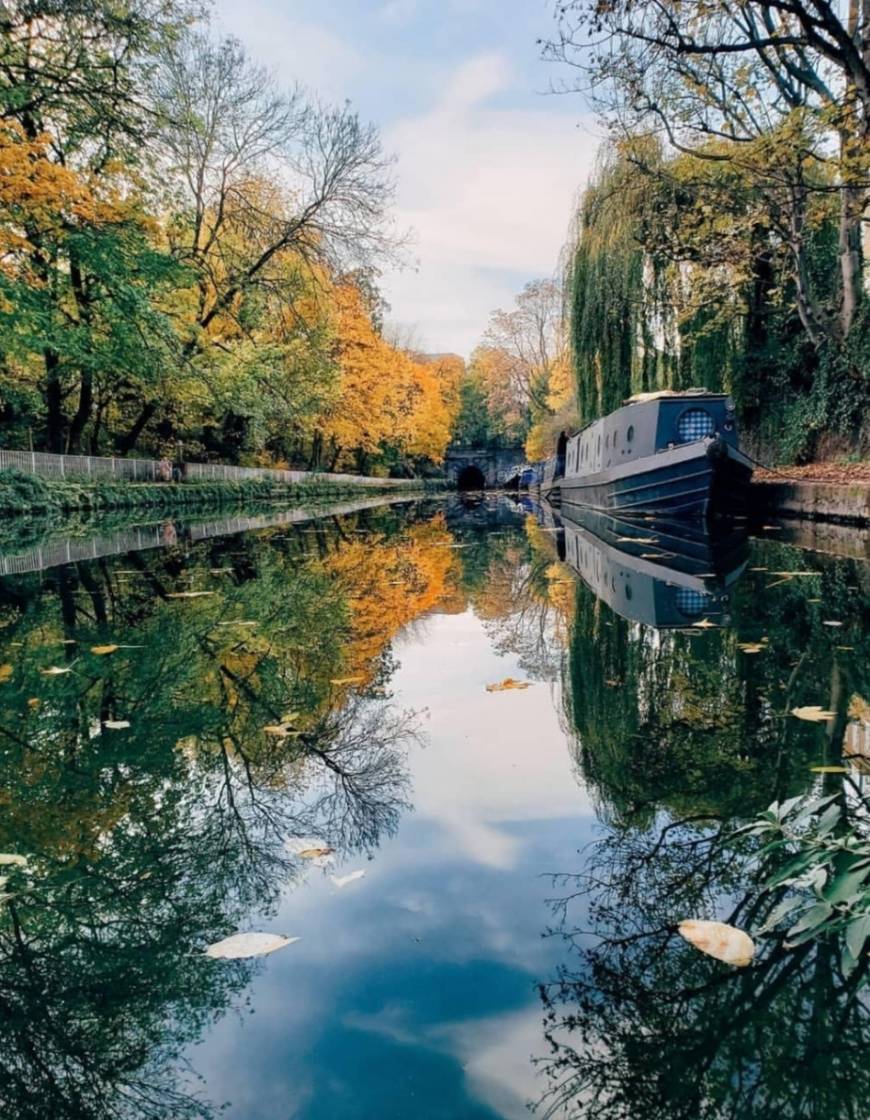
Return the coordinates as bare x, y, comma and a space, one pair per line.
680, 737
147, 842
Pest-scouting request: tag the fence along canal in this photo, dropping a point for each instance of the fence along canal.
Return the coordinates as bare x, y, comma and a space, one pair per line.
49, 465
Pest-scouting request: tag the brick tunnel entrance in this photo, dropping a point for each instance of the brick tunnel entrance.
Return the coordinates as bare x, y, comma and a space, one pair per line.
471, 478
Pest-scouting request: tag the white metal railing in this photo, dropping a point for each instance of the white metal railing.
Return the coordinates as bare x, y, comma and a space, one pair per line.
160, 470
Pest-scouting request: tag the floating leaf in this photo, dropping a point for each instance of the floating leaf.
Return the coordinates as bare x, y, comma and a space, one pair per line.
716, 939
116, 724
351, 877
315, 853
248, 945
101, 651
507, 684
55, 671
6, 672
34, 702
813, 713
236, 622
8, 858
831, 622
751, 647
705, 624
187, 594
280, 730
829, 769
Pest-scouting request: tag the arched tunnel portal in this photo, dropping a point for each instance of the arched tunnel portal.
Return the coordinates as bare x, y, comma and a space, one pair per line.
471, 477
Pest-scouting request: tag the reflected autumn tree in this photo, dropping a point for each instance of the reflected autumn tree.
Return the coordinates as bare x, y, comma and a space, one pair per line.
166, 723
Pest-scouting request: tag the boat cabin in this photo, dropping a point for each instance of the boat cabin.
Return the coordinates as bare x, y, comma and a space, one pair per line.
647, 424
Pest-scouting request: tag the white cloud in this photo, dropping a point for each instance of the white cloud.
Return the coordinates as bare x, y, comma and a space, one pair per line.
488, 190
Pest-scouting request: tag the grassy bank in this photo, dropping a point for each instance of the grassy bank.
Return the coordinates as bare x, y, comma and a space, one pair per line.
28, 494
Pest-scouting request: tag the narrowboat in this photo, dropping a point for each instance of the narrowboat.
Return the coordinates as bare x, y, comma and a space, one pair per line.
667, 453
669, 575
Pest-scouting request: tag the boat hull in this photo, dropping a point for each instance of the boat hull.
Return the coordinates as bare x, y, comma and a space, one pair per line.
690, 481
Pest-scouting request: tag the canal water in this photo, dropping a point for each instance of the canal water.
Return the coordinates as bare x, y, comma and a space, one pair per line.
480, 760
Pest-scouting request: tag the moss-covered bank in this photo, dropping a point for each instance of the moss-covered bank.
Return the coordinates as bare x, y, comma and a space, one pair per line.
28, 494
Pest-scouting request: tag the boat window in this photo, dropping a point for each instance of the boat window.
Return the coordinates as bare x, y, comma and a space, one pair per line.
607, 440
629, 435
599, 445
694, 424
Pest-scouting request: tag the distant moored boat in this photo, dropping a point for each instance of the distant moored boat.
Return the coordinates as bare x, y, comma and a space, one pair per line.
662, 453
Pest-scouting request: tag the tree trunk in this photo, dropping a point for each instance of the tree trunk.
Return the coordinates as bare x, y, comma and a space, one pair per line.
54, 403
83, 412
129, 441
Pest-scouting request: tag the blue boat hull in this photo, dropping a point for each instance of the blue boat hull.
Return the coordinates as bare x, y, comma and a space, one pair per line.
691, 481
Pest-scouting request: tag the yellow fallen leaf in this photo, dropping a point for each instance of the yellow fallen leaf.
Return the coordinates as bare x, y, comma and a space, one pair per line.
101, 651
717, 939
6, 672
751, 647
705, 624
507, 684
315, 853
33, 702
813, 713
55, 671
829, 769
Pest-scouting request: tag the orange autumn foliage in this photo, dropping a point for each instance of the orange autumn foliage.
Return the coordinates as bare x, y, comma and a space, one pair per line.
385, 395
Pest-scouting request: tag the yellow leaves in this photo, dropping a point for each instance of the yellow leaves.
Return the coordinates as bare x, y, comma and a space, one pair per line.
6, 672
507, 685
717, 939
102, 651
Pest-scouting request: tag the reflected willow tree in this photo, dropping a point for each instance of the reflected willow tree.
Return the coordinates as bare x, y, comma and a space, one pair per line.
682, 737
157, 748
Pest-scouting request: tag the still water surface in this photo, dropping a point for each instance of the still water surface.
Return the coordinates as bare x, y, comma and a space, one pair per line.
178, 724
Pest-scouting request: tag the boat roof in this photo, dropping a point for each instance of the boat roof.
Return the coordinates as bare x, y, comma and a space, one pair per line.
662, 394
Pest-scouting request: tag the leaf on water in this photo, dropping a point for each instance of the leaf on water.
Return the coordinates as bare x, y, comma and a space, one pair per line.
705, 624
309, 848
34, 702
55, 671
248, 945
101, 651
753, 647
831, 622
845, 649
188, 594
813, 713
716, 939
759, 569
236, 622
829, 769
9, 858
507, 684
280, 730
351, 877
6, 672
116, 724
346, 680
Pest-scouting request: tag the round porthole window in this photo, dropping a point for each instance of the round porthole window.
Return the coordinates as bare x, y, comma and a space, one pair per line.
694, 424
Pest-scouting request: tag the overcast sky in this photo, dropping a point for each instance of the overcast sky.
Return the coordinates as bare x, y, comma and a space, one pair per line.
488, 162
